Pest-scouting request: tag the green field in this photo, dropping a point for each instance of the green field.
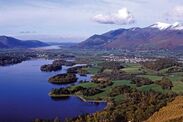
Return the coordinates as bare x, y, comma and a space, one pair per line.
152, 77
93, 70
139, 71
132, 68
86, 85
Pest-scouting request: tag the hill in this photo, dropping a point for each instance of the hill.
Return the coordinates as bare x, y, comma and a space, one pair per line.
173, 112
10, 42
156, 36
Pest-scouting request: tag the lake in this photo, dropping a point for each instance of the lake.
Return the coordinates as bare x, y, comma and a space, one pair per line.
24, 95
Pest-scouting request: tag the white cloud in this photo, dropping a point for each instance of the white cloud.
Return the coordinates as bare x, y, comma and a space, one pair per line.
122, 17
176, 14
178, 11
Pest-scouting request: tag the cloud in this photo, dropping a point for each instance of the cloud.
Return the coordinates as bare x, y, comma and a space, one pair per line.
178, 11
132, 1
176, 14
122, 17
27, 32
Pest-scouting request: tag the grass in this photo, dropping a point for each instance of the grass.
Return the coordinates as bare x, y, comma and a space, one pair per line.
175, 77
178, 87
132, 68
137, 68
152, 77
154, 87
177, 83
86, 85
119, 98
107, 71
132, 65
104, 95
164, 70
93, 70
123, 82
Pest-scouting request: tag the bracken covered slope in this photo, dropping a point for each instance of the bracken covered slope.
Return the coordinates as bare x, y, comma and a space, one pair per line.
173, 112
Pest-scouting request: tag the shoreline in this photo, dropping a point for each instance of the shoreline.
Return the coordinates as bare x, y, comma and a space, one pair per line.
80, 97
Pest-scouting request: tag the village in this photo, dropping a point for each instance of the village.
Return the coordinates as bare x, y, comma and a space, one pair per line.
127, 59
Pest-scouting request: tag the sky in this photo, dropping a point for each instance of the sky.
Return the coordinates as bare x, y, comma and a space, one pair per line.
76, 20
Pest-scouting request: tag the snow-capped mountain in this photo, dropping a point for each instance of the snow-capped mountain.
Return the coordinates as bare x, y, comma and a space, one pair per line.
164, 26
156, 36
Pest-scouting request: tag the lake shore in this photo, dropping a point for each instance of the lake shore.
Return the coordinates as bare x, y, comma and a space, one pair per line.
79, 96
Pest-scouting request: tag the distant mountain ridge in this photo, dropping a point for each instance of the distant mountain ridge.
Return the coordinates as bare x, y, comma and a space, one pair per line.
156, 36
10, 42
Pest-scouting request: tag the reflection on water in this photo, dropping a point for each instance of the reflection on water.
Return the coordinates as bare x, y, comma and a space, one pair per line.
60, 98
24, 95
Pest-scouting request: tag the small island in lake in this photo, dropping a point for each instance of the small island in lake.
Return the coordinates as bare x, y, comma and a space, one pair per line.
79, 91
55, 66
50, 67
63, 78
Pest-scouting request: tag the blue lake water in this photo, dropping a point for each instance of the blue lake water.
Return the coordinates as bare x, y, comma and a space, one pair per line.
24, 95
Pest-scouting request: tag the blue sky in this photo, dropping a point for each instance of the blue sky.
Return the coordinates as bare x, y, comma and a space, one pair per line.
75, 20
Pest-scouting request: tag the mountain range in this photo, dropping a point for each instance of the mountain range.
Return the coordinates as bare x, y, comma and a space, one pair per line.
10, 42
156, 36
